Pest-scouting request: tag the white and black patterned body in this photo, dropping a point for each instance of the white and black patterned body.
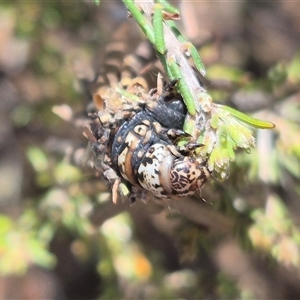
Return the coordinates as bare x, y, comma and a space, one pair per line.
136, 142
143, 151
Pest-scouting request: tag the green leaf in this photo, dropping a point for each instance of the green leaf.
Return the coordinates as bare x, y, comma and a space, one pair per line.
196, 58
247, 119
182, 86
140, 18
167, 7
159, 29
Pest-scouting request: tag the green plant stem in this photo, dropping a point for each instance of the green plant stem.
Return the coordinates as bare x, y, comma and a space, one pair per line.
173, 52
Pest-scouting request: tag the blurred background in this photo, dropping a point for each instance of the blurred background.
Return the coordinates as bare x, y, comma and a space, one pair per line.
61, 237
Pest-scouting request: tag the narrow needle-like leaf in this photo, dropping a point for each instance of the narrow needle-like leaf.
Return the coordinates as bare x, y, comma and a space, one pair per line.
247, 119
